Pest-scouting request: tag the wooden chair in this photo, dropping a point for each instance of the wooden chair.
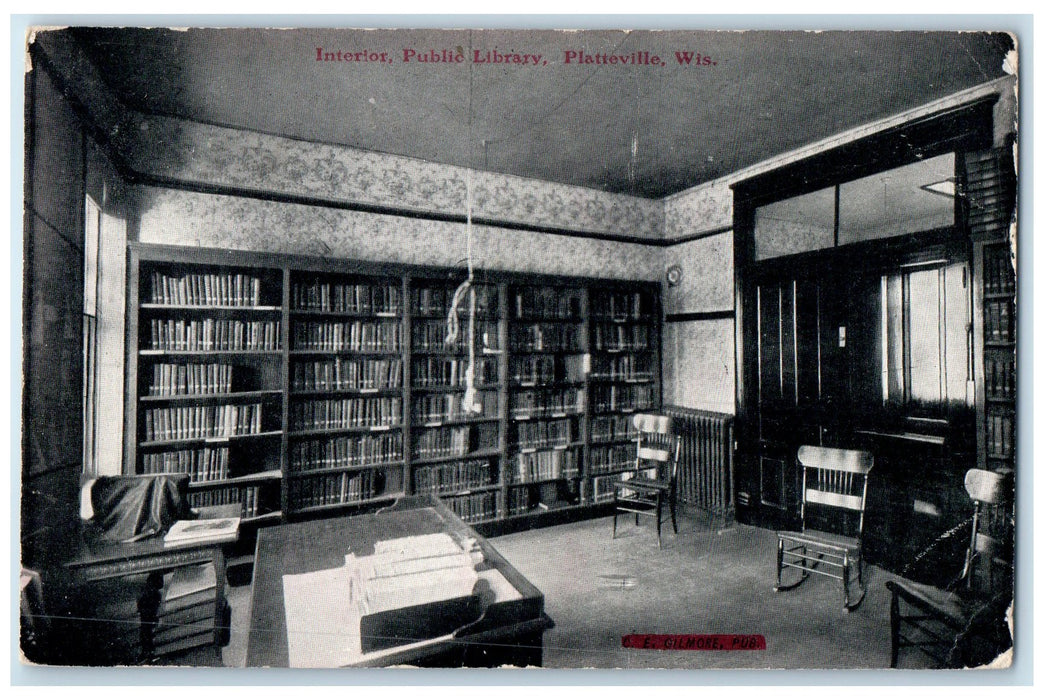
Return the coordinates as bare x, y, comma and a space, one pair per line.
833, 484
963, 624
653, 482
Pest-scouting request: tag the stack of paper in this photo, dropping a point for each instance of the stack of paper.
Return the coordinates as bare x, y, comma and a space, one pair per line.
411, 571
430, 576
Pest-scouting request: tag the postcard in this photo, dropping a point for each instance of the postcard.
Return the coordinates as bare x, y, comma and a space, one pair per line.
697, 347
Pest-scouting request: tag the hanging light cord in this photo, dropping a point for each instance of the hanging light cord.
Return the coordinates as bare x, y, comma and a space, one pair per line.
469, 403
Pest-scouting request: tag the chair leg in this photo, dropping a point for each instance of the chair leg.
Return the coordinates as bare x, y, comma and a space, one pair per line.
895, 621
844, 582
659, 516
616, 511
674, 517
851, 605
779, 564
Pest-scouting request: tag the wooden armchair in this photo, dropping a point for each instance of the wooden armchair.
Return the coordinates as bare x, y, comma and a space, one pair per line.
833, 484
652, 484
963, 624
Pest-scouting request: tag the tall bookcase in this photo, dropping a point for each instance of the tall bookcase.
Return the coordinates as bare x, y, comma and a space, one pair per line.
547, 396
298, 386
623, 378
345, 399
996, 443
989, 204
206, 379
455, 453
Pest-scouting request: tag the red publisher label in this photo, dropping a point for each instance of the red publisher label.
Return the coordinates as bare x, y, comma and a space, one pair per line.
696, 642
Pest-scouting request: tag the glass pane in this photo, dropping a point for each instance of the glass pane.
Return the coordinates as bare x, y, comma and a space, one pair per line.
925, 337
91, 235
795, 225
955, 311
915, 197
892, 379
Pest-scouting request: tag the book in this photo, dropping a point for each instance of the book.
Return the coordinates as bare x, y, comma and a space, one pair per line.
184, 643
204, 530
187, 587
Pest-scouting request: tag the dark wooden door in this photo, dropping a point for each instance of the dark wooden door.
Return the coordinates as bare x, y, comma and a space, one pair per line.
787, 390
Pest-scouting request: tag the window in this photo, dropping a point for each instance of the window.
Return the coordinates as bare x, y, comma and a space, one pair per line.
919, 196
92, 234
925, 336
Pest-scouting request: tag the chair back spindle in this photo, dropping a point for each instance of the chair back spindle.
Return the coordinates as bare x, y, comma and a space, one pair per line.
834, 478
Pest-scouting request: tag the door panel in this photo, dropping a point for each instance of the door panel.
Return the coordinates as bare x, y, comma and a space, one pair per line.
786, 404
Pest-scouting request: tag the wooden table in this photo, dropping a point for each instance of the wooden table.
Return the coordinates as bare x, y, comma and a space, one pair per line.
507, 633
102, 560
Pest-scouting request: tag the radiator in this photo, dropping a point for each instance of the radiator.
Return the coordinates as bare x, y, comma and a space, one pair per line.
705, 469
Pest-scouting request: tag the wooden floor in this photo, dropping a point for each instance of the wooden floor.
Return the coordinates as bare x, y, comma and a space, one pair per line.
704, 580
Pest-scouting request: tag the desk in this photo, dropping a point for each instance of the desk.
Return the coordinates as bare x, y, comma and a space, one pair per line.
509, 632
103, 560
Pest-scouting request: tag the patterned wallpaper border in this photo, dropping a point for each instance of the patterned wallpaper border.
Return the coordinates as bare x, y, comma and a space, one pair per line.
177, 150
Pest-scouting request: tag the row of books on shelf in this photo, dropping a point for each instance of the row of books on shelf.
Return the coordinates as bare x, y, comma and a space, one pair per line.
544, 433
190, 379
548, 302
333, 489
351, 336
440, 407
615, 397
619, 305
1000, 378
545, 496
547, 337
542, 369
453, 476
318, 414
204, 464
205, 289
340, 374
432, 371
247, 496
611, 458
548, 464
611, 337
211, 334
517, 501
998, 274
455, 441
535, 403
431, 336
432, 301
345, 452
346, 298
623, 368
606, 428
999, 321
473, 507
195, 422
1000, 434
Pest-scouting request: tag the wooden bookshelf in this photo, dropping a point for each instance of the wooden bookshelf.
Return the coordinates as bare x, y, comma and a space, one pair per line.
302, 387
346, 335
206, 379
996, 299
623, 380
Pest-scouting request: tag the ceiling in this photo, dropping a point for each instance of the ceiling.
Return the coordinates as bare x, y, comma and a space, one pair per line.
646, 130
